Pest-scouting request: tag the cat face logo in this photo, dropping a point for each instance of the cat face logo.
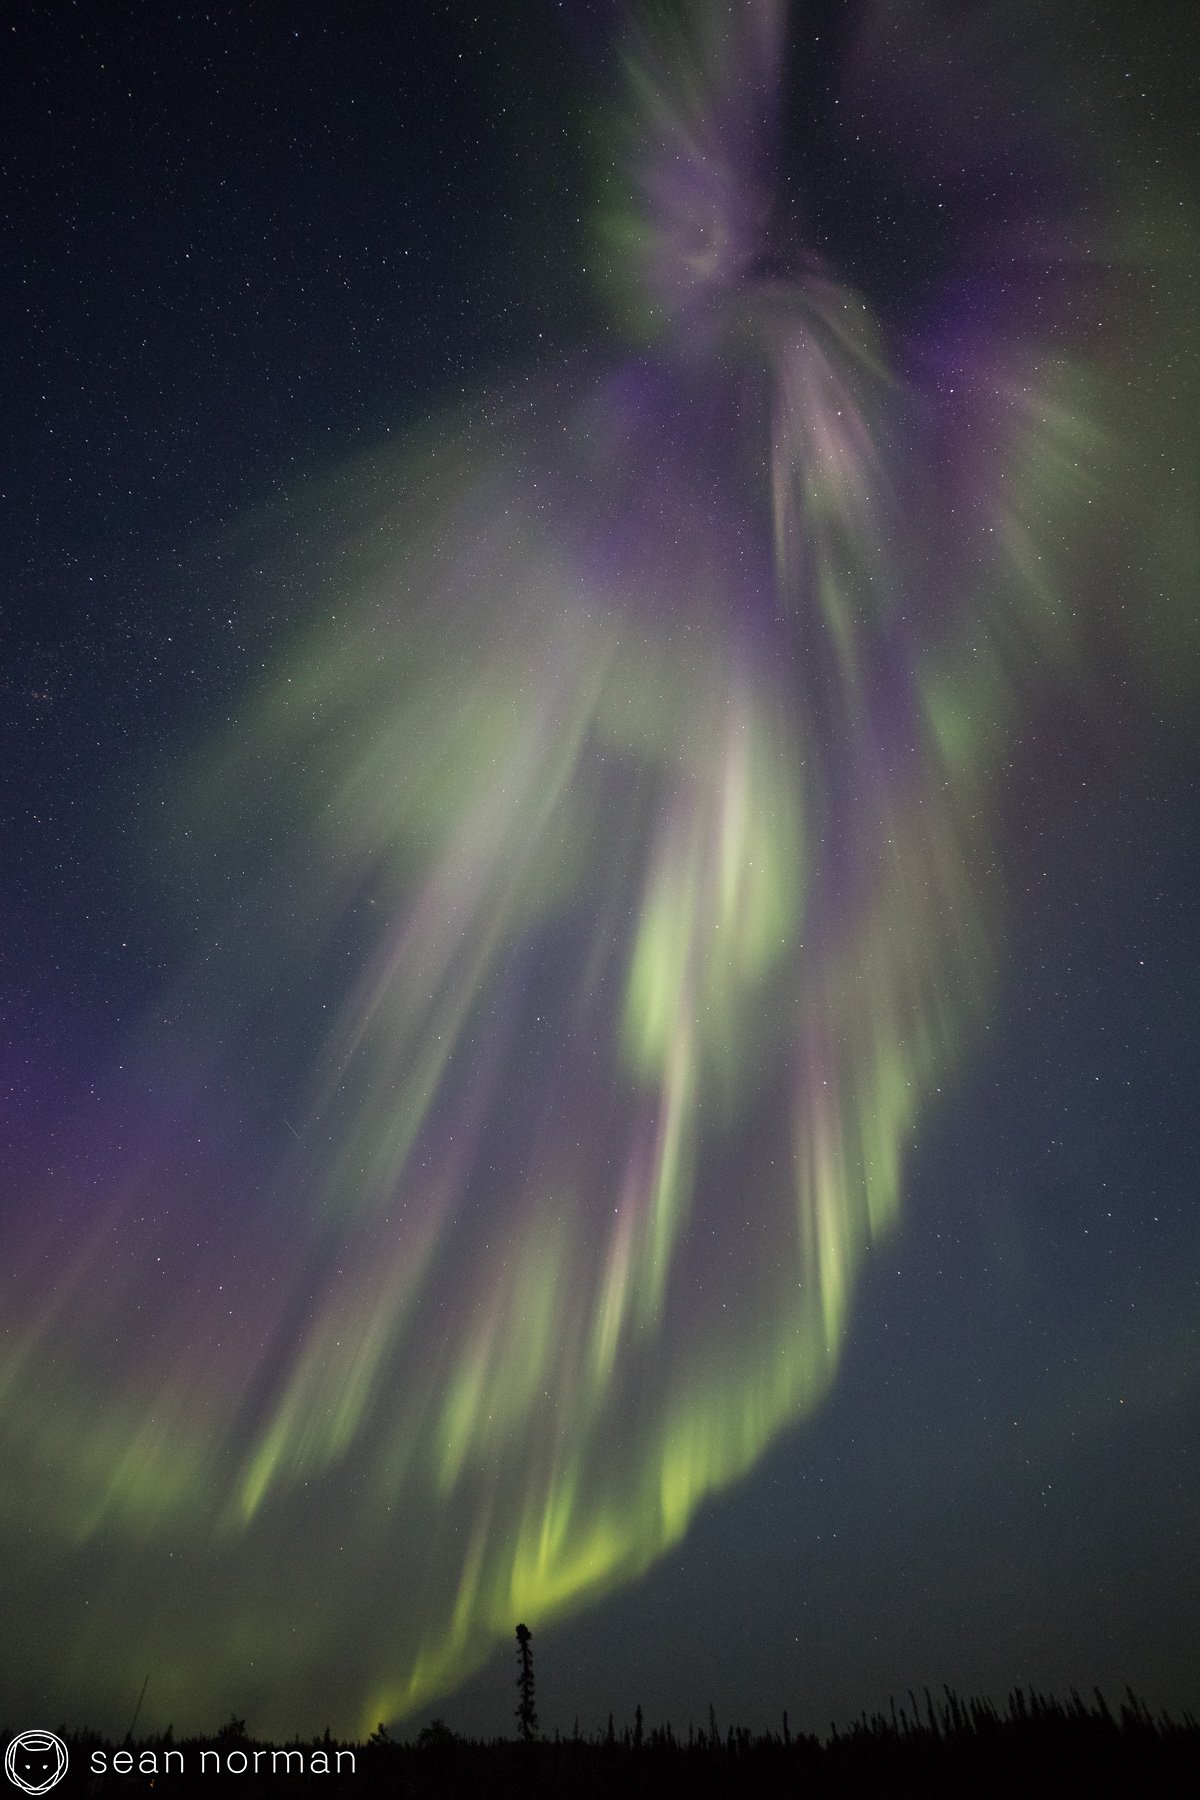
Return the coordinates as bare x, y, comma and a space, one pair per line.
35, 1761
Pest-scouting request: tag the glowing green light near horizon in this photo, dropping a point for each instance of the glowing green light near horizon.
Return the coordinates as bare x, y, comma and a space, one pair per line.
617, 941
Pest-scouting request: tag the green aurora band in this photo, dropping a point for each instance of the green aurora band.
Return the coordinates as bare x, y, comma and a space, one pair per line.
610, 862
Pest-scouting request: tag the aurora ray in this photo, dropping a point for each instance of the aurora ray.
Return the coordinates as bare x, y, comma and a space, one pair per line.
610, 865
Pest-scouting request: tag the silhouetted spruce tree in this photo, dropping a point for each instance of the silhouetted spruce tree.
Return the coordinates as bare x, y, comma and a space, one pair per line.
527, 1719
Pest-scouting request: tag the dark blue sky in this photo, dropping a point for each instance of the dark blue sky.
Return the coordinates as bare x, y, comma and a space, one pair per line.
243, 245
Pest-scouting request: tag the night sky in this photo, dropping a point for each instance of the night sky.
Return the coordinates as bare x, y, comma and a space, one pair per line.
598, 1013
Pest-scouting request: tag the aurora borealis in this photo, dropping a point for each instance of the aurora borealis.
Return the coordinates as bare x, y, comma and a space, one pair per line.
595, 891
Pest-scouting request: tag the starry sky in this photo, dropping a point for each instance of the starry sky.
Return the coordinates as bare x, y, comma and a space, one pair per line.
598, 1007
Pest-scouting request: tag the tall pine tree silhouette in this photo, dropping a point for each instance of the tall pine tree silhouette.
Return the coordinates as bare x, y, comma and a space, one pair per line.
527, 1719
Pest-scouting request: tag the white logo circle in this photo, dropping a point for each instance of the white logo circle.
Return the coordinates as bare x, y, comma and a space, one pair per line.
36, 1760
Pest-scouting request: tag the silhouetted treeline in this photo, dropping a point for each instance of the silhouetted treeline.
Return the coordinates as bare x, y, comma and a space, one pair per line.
1033, 1746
